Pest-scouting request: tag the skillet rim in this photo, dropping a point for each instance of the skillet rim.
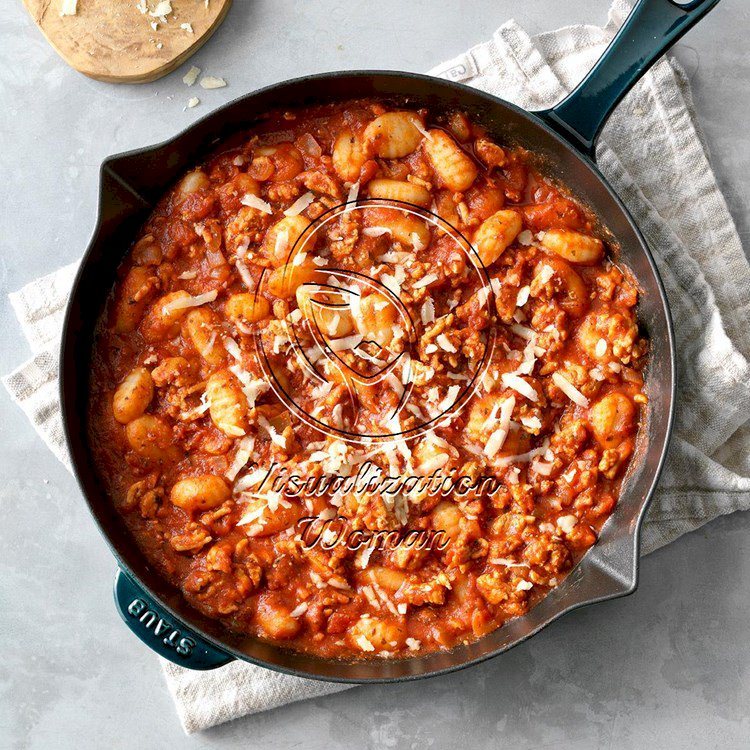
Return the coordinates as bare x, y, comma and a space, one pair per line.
66, 384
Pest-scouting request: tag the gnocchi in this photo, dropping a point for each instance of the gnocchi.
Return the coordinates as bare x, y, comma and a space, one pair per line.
573, 246
200, 493
228, 404
453, 166
399, 190
133, 396
394, 134
496, 234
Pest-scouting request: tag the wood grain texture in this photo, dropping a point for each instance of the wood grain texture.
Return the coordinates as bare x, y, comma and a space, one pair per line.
111, 40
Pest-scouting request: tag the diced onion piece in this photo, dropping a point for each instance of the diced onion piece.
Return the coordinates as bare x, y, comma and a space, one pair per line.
185, 302
569, 389
519, 385
253, 201
421, 128
525, 237
300, 204
567, 523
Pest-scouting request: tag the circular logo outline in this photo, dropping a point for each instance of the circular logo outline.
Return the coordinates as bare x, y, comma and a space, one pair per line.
297, 250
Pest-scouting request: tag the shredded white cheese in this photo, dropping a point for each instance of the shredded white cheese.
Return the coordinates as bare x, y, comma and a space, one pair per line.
428, 312
353, 193
299, 610
425, 281
522, 331
191, 76
193, 101
569, 389
187, 27
546, 273
497, 438
348, 342
510, 380
68, 7
253, 201
444, 343
212, 82
185, 302
300, 204
364, 644
244, 451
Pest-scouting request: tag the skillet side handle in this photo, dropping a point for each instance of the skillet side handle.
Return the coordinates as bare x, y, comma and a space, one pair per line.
159, 631
649, 31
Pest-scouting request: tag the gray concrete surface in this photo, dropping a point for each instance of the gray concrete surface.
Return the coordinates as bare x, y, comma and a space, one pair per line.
667, 667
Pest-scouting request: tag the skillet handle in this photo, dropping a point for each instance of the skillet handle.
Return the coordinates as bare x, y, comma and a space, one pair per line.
649, 31
160, 632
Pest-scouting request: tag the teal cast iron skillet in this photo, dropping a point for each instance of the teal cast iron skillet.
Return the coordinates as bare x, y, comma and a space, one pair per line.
564, 137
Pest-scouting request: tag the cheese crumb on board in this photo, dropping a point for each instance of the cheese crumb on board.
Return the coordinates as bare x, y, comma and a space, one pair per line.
68, 7
212, 82
161, 11
191, 76
193, 101
187, 27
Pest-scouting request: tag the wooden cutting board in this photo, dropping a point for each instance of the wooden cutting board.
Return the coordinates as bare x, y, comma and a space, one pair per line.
119, 41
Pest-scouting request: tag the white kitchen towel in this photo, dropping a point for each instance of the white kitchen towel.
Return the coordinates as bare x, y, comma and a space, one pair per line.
651, 152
